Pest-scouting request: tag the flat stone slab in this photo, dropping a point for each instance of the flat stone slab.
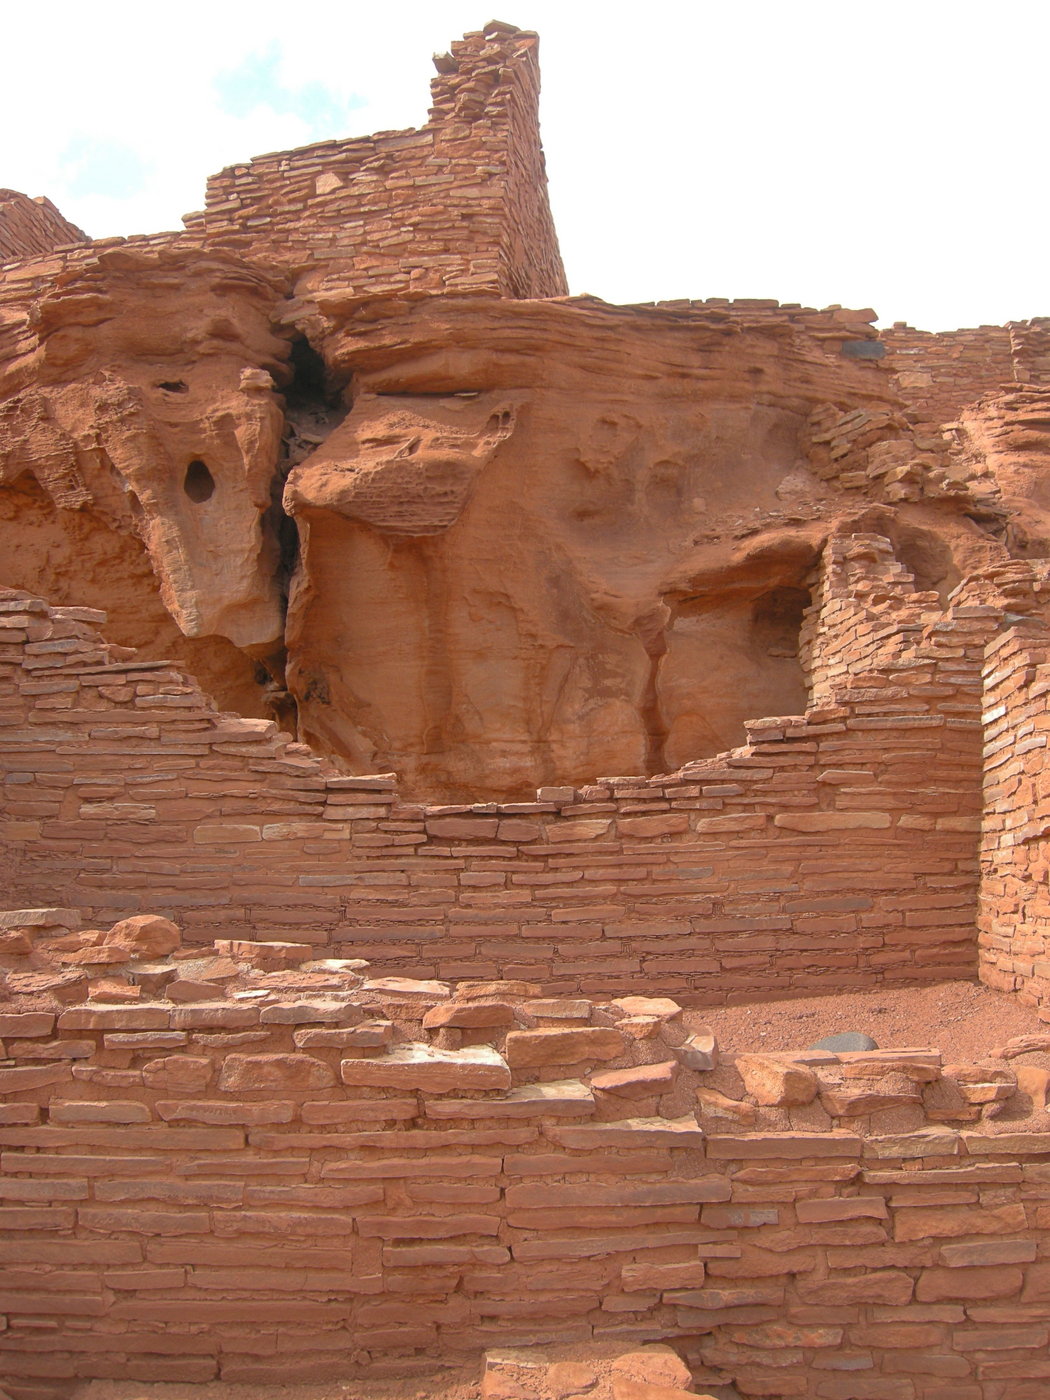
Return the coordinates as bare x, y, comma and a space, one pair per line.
40, 918
419, 1066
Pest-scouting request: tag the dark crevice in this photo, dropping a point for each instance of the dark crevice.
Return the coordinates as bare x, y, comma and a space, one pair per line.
653, 637
315, 402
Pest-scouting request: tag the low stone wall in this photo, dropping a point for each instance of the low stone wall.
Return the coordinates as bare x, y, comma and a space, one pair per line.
819, 856
301, 1181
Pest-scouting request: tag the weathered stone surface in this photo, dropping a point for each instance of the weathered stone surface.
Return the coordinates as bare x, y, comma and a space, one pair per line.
551, 1046
699, 1051
472, 1015
252, 1073
776, 1082
430, 1069
144, 936
663, 1008
639, 1082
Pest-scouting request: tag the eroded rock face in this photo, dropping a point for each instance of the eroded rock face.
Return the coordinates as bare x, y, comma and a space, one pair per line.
148, 406
555, 540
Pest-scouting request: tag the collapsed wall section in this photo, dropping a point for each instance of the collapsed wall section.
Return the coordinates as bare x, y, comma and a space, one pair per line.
837, 849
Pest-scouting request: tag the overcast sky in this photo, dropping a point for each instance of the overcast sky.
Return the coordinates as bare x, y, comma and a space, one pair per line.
888, 154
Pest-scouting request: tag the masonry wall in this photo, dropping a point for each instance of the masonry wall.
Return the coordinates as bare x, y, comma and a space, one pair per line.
937, 373
208, 1191
838, 849
458, 205
32, 227
1014, 913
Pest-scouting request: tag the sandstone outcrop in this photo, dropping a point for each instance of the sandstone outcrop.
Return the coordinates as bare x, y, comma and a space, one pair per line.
521, 542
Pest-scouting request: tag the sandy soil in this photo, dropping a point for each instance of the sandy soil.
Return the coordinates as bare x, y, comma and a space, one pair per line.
964, 1020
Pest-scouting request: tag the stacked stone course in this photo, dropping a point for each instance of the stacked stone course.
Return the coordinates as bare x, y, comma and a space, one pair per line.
789, 864
248, 1158
326, 1173
31, 227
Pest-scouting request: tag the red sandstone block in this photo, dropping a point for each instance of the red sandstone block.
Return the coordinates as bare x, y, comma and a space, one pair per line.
285, 1223
638, 1082
81, 1111
245, 1164
1037, 1283
435, 1255
266, 1073
842, 1208
919, 1224
114, 1018
865, 1388
195, 1111
530, 1194
19, 1189
26, 1023
280, 1280
628, 1133
214, 1310
550, 1247
22, 1078
144, 1222
878, 1286
50, 1049
898, 1334
211, 1193
987, 1252
12, 1113
36, 1218
432, 1165
214, 1016
144, 1040
68, 1251
140, 1280
360, 1110
44, 1163
154, 1135
25, 1303
744, 1146
738, 1217
451, 1193
661, 1277
310, 1194
1000, 1338
979, 1284
611, 1217
569, 1164
426, 1227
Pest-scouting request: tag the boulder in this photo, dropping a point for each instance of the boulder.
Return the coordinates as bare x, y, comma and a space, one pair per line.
846, 1040
144, 936
777, 1083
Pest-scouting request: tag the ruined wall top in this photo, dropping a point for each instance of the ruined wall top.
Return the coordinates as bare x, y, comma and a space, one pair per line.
31, 227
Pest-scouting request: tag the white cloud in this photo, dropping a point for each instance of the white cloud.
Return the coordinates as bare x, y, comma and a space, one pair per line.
816, 152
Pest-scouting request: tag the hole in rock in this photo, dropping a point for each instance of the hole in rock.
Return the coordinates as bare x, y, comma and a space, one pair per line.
776, 620
173, 386
199, 484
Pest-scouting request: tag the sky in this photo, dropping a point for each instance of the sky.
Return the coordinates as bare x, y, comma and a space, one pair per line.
886, 154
